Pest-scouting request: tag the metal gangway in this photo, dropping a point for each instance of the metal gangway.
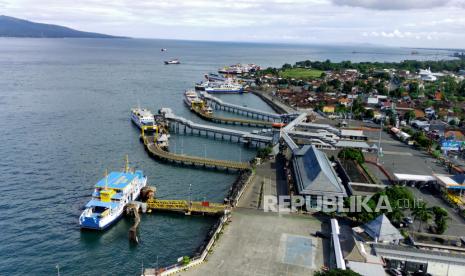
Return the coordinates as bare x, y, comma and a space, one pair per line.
247, 111
186, 206
233, 121
242, 136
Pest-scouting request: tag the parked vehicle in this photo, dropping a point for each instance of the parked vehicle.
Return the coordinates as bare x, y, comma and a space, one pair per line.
408, 220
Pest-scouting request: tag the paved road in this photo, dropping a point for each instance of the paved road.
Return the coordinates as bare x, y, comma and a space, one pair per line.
269, 179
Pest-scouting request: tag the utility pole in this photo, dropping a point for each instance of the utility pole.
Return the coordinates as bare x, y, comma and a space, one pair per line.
378, 155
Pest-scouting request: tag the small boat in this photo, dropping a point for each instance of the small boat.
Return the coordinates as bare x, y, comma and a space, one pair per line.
172, 61
163, 49
163, 141
142, 117
111, 195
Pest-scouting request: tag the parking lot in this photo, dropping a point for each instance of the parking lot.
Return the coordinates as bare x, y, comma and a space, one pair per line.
398, 157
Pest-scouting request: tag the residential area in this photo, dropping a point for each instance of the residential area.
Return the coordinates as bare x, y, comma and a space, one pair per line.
384, 133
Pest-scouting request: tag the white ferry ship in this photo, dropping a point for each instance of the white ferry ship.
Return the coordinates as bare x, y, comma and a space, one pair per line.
110, 196
226, 87
142, 117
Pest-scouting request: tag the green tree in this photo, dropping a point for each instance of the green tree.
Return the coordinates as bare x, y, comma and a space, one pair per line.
410, 115
440, 219
286, 66
264, 152
422, 214
369, 113
352, 154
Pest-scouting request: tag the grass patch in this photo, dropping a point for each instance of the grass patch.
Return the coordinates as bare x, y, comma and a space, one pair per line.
300, 73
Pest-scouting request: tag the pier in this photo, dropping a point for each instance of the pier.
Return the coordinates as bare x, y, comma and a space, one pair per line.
234, 121
154, 149
187, 207
246, 111
182, 125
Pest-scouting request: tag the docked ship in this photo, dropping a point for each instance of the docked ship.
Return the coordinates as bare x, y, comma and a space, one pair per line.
142, 117
238, 69
111, 194
215, 77
201, 85
172, 61
191, 98
225, 87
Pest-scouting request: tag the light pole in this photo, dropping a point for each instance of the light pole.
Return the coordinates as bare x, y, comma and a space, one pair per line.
378, 155
190, 202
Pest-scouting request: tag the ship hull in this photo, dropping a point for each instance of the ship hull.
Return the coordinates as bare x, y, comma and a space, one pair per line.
94, 222
221, 91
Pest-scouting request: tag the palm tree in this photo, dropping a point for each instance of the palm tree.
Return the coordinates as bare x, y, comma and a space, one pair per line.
422, 213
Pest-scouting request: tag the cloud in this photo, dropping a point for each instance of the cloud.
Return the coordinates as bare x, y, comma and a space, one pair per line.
396, 34
290, 21
393, 4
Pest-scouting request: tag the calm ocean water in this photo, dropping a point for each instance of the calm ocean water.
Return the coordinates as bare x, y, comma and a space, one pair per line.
64, 119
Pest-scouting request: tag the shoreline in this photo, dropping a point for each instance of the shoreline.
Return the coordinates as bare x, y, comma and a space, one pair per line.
277, 106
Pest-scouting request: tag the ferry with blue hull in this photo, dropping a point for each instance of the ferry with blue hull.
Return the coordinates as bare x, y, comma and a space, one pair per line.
225, 88
111, 194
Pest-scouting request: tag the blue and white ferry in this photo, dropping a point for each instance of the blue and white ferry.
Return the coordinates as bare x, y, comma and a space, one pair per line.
224, 87
110, 196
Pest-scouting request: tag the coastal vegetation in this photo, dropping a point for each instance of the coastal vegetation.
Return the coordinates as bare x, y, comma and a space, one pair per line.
300, 73
452, 65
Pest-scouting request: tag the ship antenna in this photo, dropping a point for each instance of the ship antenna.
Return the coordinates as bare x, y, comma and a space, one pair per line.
126, 167
106, 178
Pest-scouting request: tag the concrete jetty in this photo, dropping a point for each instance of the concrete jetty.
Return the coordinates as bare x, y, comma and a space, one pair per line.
154, 149
177, 122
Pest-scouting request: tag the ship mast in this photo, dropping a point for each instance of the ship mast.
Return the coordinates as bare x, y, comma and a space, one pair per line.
106, 178
126, 166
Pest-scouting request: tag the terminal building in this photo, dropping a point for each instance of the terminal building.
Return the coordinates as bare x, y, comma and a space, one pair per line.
314, 175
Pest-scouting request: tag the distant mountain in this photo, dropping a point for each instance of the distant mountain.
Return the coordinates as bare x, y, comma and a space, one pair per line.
15, 27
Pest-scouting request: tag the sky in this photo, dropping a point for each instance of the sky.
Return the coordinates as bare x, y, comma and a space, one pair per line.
409, 23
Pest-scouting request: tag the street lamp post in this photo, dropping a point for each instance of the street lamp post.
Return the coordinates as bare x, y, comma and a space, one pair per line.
378, 155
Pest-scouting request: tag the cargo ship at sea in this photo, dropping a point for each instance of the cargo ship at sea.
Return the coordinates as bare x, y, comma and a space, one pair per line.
111, 194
